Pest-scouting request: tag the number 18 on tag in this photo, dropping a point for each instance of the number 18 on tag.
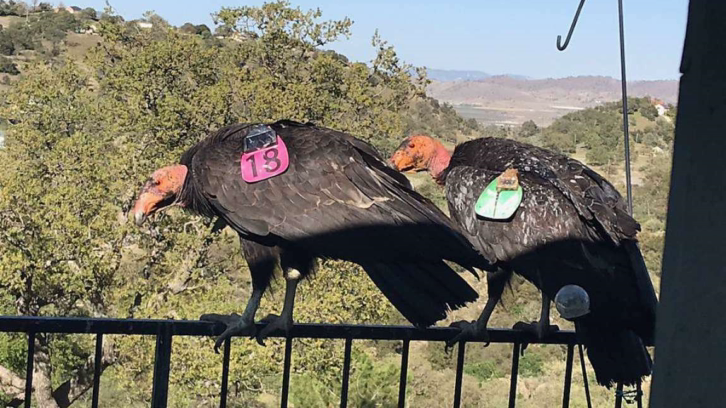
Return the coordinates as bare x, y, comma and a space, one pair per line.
265, 163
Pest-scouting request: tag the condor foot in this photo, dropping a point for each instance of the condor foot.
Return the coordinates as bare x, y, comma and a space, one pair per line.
274, 322
539, 329
236, 326
468, 331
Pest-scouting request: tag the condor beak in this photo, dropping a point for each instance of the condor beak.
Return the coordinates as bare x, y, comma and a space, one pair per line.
398, 161
394, 160
139, 218
146, 204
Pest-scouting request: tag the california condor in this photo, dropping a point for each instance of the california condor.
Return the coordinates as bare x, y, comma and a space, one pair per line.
571, 228
332, 196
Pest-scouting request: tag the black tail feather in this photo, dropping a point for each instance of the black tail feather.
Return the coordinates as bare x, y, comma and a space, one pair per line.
423, 292
615, 355
649, 302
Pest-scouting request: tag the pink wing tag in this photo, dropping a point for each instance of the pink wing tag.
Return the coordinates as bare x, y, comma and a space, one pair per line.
265, 163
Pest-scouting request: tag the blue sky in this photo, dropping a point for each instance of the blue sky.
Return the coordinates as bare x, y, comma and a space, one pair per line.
495, 36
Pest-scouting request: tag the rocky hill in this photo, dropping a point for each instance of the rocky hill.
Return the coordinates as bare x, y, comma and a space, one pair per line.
508, 100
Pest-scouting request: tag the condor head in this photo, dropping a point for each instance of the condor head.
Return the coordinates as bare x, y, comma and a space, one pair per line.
414, 154
161, 191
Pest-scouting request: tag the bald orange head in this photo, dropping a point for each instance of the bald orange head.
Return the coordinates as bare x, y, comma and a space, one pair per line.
160, 191
414, 153
421, 152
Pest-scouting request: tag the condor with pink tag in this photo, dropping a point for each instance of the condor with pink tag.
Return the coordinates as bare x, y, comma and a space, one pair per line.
265, 155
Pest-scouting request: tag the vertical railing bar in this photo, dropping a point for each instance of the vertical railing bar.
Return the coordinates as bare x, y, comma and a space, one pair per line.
568, 376
584, 376
225, 373
626, 132
619, 395
162, 364
97, 360
29, 369
286, 372
459, 374
515, 374
639, 394
404, 374
346, 372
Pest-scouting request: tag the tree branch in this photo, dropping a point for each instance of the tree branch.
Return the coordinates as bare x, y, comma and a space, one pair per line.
71, 390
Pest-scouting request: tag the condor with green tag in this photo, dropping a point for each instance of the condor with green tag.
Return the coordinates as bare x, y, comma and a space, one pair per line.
501, 198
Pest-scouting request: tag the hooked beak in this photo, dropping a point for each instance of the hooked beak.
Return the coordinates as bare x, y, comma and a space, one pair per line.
161, 191
139, 218
148, 203
398, 162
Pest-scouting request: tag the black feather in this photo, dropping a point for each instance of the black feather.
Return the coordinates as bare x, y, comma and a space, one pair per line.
412, 289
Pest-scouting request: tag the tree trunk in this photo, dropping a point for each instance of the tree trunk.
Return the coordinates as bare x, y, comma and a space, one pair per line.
63, 396
42, 370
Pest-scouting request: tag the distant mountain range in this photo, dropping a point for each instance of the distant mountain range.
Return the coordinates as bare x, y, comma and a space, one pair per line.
462, 75
513, 100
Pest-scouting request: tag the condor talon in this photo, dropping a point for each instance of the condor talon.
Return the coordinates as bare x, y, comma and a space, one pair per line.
236, 325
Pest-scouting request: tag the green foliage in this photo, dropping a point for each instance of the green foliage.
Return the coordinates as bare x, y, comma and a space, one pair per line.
188, 28
599, 129
29, 34
20, 36
429, 116
650, 205
497, 131
12, 8
50, 157
531, 364
649, 112
484, 370
8, 66
374, 384
528, 129
660, 135
7, 47
12, 345
89, 13
200, 29
558, 139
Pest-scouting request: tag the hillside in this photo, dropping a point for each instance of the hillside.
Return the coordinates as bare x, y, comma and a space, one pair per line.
509, 101
462, 75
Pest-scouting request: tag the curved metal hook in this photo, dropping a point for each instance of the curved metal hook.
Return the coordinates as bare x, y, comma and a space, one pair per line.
572, 28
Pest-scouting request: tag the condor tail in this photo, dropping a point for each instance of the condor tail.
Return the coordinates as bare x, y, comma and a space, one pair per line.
422, 292
615, 355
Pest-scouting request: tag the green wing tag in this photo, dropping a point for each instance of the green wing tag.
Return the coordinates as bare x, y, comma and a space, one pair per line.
498, 205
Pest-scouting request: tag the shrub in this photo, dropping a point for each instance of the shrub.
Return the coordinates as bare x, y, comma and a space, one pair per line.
8, 66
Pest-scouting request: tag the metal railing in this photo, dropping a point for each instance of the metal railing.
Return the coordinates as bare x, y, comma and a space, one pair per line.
165, 330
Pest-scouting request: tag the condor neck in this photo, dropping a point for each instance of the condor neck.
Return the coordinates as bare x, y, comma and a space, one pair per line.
439, 162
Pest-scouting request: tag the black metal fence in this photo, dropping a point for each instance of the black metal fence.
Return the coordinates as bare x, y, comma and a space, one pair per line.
165, 330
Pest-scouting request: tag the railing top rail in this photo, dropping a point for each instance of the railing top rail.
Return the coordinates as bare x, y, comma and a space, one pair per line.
77, 325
